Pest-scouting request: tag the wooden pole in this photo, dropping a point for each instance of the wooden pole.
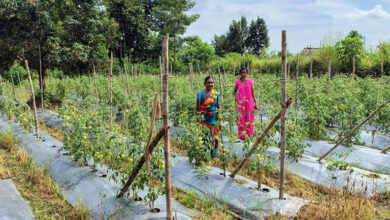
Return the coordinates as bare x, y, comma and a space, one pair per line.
161, 74
33, 97
283, 116
191, 75
127, 80
354, 129
155, 113
135, 78
296, 84
386, 149
311, 67
260, 139
165, 114
96, 86
40, 75
111, 63
288, 69
220, 86
353, 65
329, 69
12, 83
142, 161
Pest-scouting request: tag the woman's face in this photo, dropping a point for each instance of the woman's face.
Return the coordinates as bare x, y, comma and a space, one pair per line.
243, 74
209, 84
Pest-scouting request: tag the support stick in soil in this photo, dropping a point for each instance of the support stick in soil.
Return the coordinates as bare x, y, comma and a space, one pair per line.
354, 129
165, 114
259, 140
33, 97
142, 161
283, 116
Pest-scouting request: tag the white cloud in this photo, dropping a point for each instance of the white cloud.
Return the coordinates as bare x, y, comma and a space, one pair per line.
306, 21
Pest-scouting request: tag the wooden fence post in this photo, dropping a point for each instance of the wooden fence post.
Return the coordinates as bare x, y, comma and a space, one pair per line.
220, 86
353, 65
329, 70
296, 84
191, 75
165, 114
33, 97
283, 116
111, 63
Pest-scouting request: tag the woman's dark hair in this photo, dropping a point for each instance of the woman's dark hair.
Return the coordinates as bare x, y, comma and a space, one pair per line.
207, 78
243, 68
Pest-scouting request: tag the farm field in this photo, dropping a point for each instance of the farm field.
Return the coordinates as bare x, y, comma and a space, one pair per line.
80, 117
188, 109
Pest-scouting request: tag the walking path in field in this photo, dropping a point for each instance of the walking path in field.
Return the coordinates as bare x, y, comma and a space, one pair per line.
12, 205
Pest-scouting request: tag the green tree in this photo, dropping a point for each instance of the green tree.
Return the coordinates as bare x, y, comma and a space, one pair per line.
196, 52
258, 36
169, 16
354, 33
346, 49
237, 34
220, 44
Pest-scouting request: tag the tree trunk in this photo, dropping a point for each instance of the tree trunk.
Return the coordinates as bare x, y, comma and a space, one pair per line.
165, 114
33, 97
283, 116
311, 68
111, 63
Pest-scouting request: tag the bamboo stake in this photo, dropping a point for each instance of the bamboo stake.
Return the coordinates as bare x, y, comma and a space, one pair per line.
165, 114
96, 87
191, 75
220, 87
12, 83
353, 65
33, 97
283, 116
296, 84
354, 129
127, 81
142, 161
135, 78
111, 63
155, 113
260, 139
161, 74
329, 70
382, 67
386, 149
40, 75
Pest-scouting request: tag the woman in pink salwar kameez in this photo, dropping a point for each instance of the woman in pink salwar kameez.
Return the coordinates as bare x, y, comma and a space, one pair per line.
246, 104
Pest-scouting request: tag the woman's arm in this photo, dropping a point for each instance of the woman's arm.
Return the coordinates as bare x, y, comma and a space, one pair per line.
254, 98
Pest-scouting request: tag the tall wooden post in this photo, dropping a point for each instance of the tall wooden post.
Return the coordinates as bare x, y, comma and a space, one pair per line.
329, 70
220, 86
127, 80
353, 65
111, 63
40, 75
12, 83
283, 116
191, 75
311, 67
33, 97
96, 86
296, 83
165, 114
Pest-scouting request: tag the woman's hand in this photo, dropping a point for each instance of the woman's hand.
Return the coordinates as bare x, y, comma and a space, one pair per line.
256, 106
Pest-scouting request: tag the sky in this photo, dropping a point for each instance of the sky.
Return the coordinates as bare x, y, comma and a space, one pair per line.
307, 22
